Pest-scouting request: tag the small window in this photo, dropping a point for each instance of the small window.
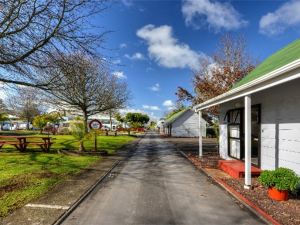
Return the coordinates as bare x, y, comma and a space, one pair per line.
233, 116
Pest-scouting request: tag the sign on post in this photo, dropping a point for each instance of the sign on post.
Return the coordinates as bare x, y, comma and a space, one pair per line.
95, 125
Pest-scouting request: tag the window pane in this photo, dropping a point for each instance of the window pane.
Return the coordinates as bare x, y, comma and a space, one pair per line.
235, 148
234, 131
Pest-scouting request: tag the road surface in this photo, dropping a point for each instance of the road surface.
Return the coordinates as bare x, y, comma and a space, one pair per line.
158, 186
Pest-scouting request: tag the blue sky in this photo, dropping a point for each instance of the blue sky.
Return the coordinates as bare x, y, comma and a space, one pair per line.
156, 44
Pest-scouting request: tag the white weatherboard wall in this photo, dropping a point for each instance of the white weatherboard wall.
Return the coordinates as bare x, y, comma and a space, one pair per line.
187, 125
280, 126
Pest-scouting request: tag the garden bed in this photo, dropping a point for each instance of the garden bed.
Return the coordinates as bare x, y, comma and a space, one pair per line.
285, 212
208, 160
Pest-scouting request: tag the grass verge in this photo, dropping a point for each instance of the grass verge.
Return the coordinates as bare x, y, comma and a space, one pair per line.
26, 176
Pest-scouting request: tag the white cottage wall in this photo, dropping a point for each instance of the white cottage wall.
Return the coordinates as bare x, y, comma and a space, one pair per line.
280, 126
187, 125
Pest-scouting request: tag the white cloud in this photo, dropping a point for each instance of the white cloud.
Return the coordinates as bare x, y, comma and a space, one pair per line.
286, 16
135, 56
166, 50
123, 45
127, 2
127, 110
217, 15
169, 104
151, 107
155, 87
117, 61
119, 74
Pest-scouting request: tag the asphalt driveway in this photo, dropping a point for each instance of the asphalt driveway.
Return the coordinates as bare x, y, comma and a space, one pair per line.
158, 186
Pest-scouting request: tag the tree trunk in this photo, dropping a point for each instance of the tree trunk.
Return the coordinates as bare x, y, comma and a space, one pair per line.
85, 122
110, 120
81, 146
27, 125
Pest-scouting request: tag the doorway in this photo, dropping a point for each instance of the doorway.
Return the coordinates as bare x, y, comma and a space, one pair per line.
235, 122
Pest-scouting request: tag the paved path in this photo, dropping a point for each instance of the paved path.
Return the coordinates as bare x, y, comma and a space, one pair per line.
158, 186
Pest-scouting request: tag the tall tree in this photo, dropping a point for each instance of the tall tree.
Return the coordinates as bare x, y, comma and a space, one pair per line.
84, 85
32, 32
25, 104
217, 75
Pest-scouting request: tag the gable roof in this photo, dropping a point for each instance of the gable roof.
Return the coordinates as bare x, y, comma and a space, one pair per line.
279, 68
281, 58
175, 116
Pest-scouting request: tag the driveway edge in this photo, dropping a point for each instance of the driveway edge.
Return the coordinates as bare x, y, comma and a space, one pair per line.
84, 195
67, 213
241, 199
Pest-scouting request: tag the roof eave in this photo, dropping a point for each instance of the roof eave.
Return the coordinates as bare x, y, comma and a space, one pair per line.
173, 120
276, 77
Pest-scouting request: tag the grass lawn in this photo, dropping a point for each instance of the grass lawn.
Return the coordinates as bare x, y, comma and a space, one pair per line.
108, 143
26, 176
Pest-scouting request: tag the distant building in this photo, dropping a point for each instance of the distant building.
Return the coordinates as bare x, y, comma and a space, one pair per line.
184, 124
160, 125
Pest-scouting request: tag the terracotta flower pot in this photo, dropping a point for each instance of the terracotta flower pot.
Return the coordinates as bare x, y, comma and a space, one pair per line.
278, 195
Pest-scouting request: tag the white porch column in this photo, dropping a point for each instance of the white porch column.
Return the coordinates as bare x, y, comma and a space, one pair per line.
247, 142
200, 134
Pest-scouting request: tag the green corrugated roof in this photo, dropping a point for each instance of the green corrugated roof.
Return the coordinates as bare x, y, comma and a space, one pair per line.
172, 118
281, 58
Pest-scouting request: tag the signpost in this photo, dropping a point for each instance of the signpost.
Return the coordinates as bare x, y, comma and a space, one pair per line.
95, 125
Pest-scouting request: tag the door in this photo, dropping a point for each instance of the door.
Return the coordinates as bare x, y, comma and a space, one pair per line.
236, 133
234, 119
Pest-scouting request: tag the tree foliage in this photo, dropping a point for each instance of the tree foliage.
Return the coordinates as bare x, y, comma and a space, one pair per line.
78, 131
119, 118
42, 120
33, 32
217, 75
137, 120
3, 111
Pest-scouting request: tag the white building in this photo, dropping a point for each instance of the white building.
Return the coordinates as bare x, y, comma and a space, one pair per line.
260, 115
160, 125
184, 124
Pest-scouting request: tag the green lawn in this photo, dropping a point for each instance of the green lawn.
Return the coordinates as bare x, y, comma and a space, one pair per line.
26, 176
68, 142
108, 143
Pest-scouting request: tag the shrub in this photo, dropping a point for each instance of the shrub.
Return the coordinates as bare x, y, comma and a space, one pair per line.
280, 178
64, 131
210, 132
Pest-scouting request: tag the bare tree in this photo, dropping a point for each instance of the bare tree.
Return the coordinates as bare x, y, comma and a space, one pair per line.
25, 104
84, 85
33, 31
229, 64
3, 107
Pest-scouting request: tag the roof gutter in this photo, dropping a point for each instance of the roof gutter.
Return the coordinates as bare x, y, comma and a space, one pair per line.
279, 76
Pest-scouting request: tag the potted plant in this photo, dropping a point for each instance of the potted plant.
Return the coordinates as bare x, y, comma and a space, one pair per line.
279, 182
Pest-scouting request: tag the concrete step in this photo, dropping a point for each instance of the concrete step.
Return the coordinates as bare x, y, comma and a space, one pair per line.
236, 168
